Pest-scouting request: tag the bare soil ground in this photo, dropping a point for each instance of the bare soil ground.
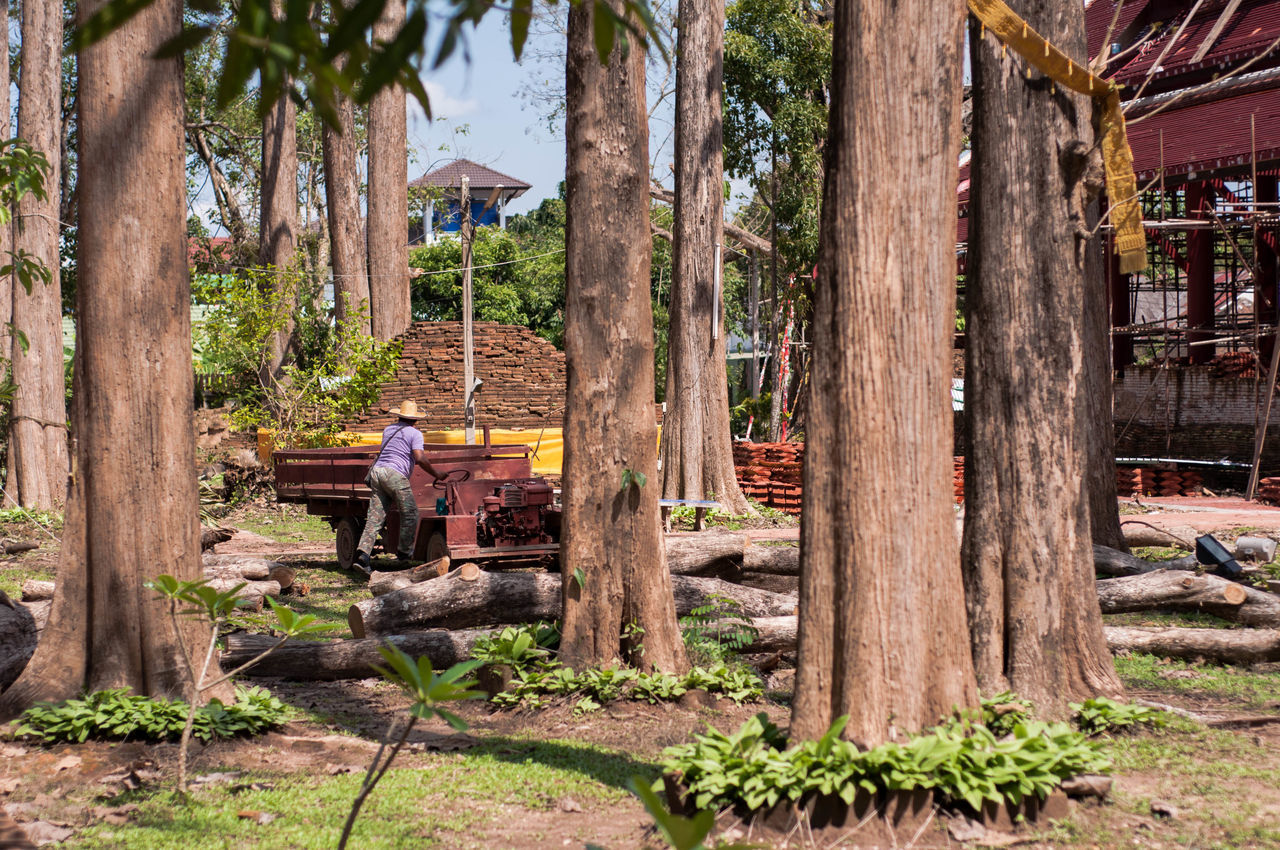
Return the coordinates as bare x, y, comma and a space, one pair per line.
553, 778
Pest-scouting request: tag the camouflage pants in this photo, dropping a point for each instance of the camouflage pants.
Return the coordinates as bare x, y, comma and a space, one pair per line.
390, 488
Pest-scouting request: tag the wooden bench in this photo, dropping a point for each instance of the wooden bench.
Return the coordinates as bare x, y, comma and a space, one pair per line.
700, 508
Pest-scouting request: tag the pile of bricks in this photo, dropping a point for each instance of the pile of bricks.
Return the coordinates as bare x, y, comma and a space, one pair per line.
1235, 364
957, 478
523, 375
770, 473
1269, 490
1147, 481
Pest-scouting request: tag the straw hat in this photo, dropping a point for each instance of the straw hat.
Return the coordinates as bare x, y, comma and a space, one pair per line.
408, 410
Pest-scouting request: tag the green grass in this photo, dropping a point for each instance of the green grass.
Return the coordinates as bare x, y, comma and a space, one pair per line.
1184, 620
13, 575
287, 524
332, 591
423, 801
1242, 688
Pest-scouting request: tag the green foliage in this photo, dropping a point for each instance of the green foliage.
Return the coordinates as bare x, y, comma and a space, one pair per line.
632, 478
962, 761
338, 372
517, 646
517, 278
213, 606
681, 832
717, 630
1004, 711
1100, 714
427, 688
117, 715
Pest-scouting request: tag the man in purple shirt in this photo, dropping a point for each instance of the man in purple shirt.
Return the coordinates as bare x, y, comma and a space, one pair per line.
402, 447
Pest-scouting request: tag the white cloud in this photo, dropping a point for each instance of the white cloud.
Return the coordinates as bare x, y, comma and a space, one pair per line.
443, 104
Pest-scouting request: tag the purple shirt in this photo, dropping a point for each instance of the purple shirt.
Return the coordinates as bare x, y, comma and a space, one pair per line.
399, 439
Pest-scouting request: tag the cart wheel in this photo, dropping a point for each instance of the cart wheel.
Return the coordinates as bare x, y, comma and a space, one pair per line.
348, 538
436, 547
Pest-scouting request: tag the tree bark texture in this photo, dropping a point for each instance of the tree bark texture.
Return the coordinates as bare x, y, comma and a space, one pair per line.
881, 638
1027, 535
1100, 450
1114, 562
1180, 591
6, 231
346, 238
356, 659
132, 507
278, 226
1178, 537
1226, 646
388, 221
492, 598
20, 627
697, 452
38, 419
615, 572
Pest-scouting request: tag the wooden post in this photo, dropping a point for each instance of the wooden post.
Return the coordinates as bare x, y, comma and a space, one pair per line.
1200, 320
468, 344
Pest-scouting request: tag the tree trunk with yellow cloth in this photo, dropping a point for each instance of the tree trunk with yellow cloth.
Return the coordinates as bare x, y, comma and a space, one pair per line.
1026, 552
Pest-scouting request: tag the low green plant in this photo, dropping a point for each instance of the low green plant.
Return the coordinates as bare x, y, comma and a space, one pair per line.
201, 600
517, 646
682, 833
716, 630
961, 760
1004, 711
428, 690
117, 715
1100, 714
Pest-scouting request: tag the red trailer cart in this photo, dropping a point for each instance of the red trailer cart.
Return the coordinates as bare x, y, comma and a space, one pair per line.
489, 507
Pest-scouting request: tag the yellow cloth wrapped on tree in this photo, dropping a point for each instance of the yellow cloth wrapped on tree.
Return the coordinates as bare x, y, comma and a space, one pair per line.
1117, 158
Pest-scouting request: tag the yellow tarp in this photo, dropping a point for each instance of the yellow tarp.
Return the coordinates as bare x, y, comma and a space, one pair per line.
548, 444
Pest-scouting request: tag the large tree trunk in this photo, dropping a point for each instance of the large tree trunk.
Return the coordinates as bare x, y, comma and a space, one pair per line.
1180, 591
1026, 551
1100, 449
615, 572
492, 598
881, 638
38, 416
388, 197
1226, 646
278, 227
131, 513
697, 455
6, 230
346, 239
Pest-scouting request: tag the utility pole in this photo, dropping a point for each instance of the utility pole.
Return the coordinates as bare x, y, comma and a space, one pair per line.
468, 344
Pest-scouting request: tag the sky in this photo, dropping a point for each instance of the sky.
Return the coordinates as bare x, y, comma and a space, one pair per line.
482, 114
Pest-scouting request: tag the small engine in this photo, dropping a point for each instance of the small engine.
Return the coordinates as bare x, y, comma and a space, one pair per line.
514, 515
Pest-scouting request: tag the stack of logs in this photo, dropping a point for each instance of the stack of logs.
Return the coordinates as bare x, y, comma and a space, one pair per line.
1146, 481
771, 473
1269, 490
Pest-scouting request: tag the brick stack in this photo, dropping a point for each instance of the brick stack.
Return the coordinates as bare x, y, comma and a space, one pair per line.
770, 473
523, 374
1236, 364
957, 477
1269, 490
1147, 481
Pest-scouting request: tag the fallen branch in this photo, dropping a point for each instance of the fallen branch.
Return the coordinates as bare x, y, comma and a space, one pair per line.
494, 598
1181, 591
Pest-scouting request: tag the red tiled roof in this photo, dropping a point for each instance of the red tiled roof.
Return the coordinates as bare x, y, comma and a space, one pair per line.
1207, 137
1098, 15
1251, 28
481, 177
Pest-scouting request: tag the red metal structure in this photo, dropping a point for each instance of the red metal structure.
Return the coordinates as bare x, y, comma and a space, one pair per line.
489, 507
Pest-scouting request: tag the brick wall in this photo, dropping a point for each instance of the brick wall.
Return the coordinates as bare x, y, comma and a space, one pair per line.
523, 374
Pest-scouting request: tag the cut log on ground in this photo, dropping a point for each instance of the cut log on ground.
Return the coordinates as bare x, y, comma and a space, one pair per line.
345, 659
1186, 592
495, 598
1141, 534
14, 547
1113, 562
33, 590
355, 659
381, 583
726, 555
768, 581
20, 627
210, 537
283, 576
1226, 646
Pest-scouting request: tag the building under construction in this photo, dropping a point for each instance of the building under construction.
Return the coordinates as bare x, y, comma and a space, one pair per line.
1193, 334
